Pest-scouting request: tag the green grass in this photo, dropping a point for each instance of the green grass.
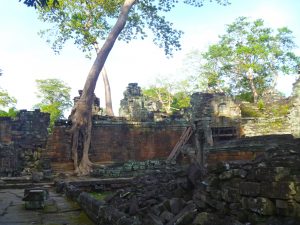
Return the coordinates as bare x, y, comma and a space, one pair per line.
100, 195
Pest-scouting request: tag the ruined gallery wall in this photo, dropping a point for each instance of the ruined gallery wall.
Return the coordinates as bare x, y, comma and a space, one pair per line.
294, 116
119, 141
5, 130
21, 141
254, 126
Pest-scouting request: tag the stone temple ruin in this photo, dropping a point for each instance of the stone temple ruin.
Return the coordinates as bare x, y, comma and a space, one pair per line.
241, 170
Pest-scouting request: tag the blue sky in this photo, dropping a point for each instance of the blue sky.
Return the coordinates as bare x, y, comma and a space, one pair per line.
25, 57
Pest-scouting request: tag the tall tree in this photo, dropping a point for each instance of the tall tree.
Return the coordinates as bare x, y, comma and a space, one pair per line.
141, 16
108, 101
80, 21
248, 58
54, 97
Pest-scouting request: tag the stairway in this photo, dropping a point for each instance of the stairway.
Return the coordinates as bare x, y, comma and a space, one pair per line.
187, 133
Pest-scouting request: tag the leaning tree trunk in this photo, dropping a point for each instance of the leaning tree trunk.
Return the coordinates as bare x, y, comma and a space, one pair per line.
108, 101
81, 114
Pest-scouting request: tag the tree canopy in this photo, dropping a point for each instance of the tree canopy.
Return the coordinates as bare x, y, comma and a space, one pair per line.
89, 22
35, 3
6, 100
171, 95
248, 59
54, 97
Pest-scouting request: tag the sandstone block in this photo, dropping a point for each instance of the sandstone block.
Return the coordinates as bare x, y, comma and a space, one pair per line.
262, 206
278, 190
249, 189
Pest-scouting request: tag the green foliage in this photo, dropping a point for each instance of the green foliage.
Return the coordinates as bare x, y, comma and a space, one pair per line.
6, 100
279, 110
250, 111
41, 3
268, 110
249, 46
100, 195
55, 98
12, 112
172, 96
89, 22
261, 105
181, 100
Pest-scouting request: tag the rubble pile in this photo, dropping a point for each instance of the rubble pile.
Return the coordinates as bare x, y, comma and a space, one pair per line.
264, 191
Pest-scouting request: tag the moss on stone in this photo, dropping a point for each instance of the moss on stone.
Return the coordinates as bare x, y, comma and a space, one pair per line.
100, 195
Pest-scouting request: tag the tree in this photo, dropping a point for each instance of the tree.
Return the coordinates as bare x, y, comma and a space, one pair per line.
172, 96
248, 58
35, 3
126, 20
55, 98
81, 22
7, 102
108, 101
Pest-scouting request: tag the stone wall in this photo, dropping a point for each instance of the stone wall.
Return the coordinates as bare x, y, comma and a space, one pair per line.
5, 130
21, 142
294, 117
119, 141
254, 126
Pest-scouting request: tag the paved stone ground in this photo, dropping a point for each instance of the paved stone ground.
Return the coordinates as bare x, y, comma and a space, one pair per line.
58, 210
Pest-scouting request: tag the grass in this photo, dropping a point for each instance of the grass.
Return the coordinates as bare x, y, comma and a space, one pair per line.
100, 195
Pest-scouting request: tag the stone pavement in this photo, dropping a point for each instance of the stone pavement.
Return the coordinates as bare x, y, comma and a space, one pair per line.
58, 210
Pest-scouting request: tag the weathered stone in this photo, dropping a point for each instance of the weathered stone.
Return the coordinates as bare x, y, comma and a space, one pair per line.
294, 117
287, 208
176, 205
37, 176
110, 215
230, 195
35, 198
205, 218
166, 216
262, 206
186, 215
194, 173
226, 175
271, 173
278, 190
201, 218
249, 189
155, 220
134, 207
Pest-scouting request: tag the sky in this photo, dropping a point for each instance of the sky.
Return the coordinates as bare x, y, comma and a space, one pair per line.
25, 56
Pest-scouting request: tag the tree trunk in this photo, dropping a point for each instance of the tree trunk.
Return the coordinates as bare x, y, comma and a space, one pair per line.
108, 101
81, 114
252, 85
